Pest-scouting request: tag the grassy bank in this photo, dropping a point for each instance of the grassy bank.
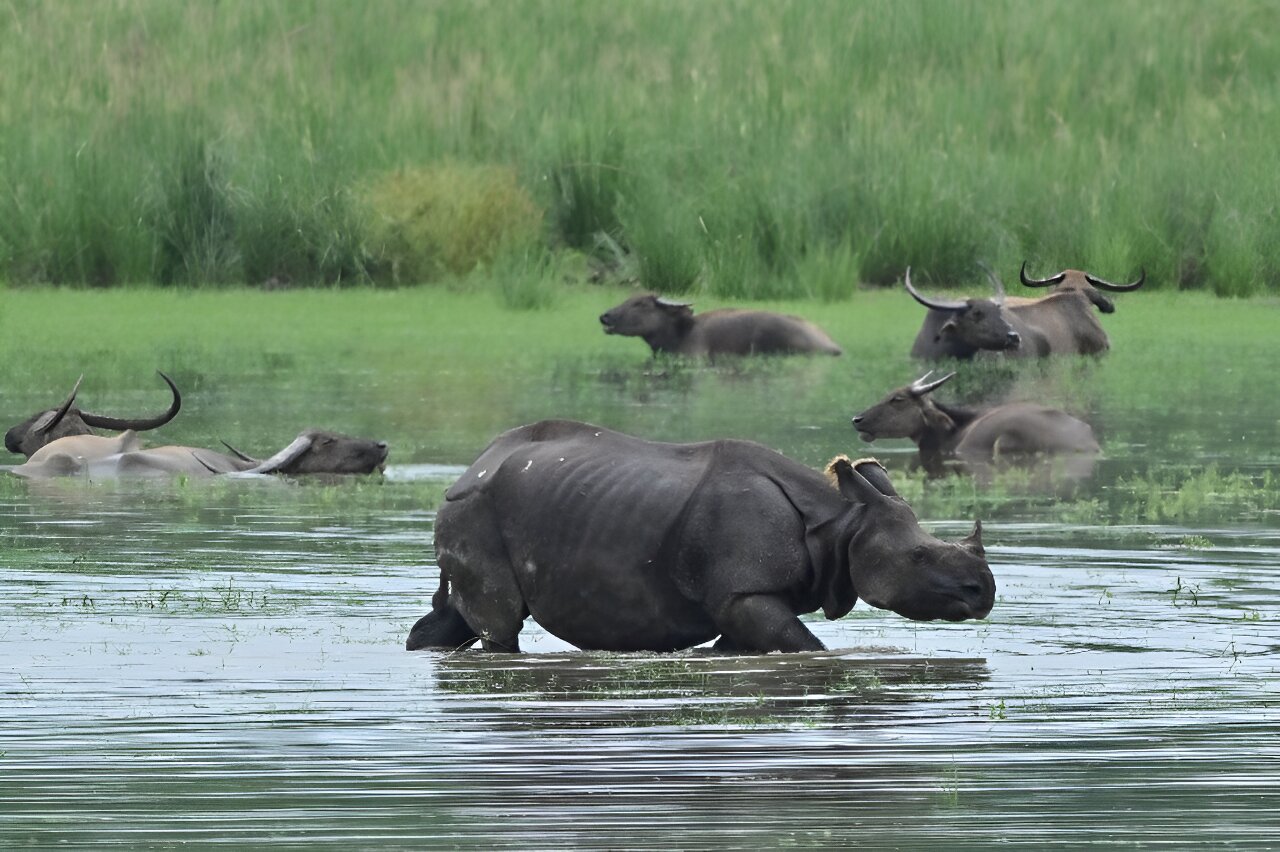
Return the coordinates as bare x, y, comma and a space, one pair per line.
744, 149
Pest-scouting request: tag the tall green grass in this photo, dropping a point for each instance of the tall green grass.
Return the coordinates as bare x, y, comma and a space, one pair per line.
743, 149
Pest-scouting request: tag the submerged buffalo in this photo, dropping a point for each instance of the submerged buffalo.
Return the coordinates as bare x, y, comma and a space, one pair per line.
615, 543
65, 420
1061, 323
313, 451
673, 327
981, 435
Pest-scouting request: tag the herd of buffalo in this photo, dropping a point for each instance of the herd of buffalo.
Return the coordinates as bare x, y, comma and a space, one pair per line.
613, 542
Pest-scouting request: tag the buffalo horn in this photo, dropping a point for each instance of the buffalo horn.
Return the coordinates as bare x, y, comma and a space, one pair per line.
142, 423
1039, 282
242, 456
672, 303
1117, 288
285, 457
996, 283
53, 418
922, 385
935, 304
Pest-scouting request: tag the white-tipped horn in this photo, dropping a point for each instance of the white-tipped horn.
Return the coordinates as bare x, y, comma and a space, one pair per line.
288, 455
922, 386
672, 303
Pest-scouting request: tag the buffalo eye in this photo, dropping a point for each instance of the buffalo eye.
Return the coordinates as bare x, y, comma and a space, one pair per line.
896, 398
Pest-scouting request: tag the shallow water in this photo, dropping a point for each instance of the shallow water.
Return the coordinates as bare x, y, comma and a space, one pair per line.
222, 662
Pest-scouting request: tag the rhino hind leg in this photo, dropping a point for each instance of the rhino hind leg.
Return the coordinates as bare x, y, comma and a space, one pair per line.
763, 623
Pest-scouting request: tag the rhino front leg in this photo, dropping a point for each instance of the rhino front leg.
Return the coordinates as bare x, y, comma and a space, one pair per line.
763, 623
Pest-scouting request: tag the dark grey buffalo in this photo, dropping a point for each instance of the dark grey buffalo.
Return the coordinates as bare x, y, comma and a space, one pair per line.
673, 327
66, 420
1061, 323
312, 452
975, 435
615, 543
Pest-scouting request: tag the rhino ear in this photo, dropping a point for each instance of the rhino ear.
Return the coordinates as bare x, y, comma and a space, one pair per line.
874, 472
853, 485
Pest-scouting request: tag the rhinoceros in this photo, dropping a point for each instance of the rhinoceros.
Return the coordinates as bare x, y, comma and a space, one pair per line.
616, 543
673, 327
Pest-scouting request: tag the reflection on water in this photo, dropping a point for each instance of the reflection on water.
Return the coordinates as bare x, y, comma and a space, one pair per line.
220, 662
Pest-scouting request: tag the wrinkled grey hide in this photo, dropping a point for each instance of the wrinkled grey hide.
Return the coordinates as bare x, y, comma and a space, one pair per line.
616, 543
673, 327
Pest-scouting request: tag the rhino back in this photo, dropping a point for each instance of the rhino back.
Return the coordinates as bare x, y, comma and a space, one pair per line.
622, 544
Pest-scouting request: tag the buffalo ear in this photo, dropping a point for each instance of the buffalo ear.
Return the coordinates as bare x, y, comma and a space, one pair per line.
1100, 301
973, 541
937, 418
947, 329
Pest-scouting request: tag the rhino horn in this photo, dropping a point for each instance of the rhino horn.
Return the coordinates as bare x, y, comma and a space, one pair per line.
973, 541
935, 304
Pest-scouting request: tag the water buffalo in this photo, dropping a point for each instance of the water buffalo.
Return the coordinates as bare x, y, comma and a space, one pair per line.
673, 327
65, 420
1061, 323
313, 451
981, 435
616, 543
1082, 282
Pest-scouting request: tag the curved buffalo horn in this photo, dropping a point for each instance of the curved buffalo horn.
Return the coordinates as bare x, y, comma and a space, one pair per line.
1039, 282
142, 423
671, 303
996, 283
288, 455
922, 385
1117, 288
935, 304
53, 418
242, 456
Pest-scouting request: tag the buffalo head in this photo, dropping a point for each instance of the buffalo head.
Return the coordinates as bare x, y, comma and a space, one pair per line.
896, 565
646, 315
1083, 282
975, 323
906, 412
315, 451
66, 420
